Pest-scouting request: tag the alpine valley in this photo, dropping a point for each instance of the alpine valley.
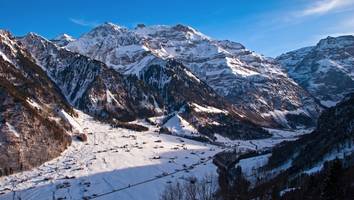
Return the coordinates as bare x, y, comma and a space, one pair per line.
124, 113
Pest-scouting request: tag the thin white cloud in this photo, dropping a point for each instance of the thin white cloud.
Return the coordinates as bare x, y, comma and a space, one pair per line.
325, 6
83, 22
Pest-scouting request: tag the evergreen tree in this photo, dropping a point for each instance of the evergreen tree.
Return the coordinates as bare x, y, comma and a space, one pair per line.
332, 190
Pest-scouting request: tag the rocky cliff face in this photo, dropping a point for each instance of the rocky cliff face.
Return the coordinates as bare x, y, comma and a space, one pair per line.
33, 128
326, 70
255, 84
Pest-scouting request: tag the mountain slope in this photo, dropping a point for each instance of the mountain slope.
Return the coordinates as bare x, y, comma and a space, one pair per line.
256, 85
299, 167
304, 168
105, 93
89, 85
332, 138
325, 70
34, 125
192, 100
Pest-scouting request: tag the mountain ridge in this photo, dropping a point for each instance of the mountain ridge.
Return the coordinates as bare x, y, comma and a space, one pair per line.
241, 76
324, 70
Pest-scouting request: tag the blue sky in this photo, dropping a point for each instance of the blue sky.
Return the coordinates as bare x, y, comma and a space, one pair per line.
269, 27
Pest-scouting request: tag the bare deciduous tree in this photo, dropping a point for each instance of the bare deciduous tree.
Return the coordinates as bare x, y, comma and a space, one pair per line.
192, 189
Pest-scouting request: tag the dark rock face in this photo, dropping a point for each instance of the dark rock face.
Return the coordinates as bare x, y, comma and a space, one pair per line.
326, 70
31, 130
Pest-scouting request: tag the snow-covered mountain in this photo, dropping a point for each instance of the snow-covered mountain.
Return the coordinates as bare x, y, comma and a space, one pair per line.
91, 86
255, 84
326, 70
194, 105
63, 40
34, 116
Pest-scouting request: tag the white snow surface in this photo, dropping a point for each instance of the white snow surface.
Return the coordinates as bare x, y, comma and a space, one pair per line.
33, 103
65, 37
72, 121
178, 126
262, 144
137, 165
251, 165
5, 57
207, 109
12, 130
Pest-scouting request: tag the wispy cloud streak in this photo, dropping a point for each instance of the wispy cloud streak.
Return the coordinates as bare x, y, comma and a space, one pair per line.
83, 22
325, 6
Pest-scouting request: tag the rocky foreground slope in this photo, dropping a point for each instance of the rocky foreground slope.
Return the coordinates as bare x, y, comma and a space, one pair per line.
33, 113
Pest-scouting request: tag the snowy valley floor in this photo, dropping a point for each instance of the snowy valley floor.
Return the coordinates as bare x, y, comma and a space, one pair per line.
136, 164
118, 163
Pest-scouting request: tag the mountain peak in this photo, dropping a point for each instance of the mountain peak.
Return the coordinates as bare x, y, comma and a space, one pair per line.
183, 28
110, 26
172, 32
34, 35
64, 37
5, 33
63, 40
